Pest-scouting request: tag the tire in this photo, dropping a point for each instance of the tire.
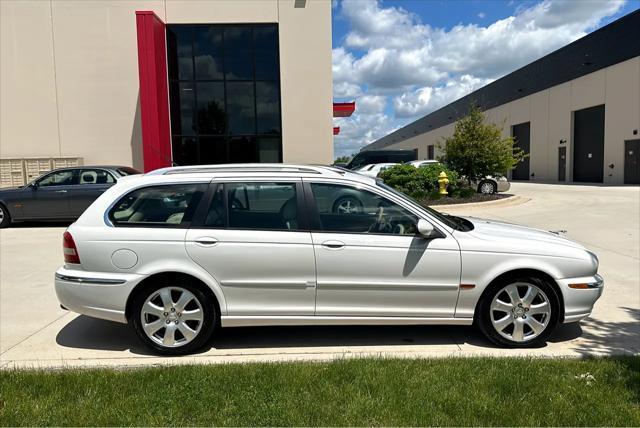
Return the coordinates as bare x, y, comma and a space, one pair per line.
189, 335
347, 205
5, 217
487, 187
501, 323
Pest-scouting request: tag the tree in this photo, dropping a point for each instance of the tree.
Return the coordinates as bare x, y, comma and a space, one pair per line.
343, 159
477, 149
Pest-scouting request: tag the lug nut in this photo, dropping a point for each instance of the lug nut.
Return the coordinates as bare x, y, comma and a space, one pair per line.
176, 321
526, 309
168, 321
173, 309
165, 314
179, 314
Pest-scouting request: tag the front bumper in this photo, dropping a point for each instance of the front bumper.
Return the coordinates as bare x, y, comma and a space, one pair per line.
95, 294
578, 303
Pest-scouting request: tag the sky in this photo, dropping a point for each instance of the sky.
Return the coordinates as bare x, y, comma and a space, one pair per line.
402, 59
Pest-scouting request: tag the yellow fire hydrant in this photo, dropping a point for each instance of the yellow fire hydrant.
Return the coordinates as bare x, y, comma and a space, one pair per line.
442, 182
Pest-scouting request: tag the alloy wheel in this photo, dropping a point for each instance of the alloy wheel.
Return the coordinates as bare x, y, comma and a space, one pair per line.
1, 215
172, 317
520, 312
487, 188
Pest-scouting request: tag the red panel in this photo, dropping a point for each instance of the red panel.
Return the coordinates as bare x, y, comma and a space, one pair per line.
343, 109
154, 98
336, 130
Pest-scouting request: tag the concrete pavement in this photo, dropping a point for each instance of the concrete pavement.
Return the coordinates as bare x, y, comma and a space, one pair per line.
35, 332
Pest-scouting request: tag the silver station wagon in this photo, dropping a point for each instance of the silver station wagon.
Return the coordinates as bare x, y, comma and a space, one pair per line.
181, 252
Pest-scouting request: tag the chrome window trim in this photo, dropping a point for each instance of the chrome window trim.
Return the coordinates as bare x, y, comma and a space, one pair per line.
81, 280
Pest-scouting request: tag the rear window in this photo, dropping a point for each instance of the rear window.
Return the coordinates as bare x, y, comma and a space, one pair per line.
125, 170
165, 206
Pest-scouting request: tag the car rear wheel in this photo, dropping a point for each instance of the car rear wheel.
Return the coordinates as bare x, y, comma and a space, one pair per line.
487, 187
173, 319
519, 313
5, 217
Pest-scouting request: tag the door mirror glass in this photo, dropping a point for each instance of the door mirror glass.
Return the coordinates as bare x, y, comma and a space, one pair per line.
425, 228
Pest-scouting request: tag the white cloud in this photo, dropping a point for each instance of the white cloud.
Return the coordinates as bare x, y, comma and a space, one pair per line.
481, 15
390, 52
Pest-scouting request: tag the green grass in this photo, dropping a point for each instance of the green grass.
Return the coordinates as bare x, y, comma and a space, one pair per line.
478, 391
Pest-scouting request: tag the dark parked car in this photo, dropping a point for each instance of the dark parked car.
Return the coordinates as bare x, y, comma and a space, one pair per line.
61, 194
367, 157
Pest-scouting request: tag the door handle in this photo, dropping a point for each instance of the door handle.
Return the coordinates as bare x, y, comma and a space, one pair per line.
206, 241
61, 191
333, 245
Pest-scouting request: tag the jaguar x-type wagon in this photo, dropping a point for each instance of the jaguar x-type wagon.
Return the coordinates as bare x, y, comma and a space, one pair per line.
180, 252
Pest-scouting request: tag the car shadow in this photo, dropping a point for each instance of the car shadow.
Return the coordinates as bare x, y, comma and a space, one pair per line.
38, 224
89, 333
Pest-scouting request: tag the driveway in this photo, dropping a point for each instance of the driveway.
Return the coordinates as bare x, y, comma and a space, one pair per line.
35, 332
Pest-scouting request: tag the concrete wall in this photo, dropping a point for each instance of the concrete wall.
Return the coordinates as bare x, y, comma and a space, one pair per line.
69, 74
551, 114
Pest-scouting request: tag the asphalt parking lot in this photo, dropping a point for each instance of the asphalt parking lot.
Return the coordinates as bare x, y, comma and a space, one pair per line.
35, 332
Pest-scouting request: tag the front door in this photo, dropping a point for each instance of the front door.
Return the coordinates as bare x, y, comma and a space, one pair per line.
562, 163
255, 244
49, 197
588, 144
632, 162
371, 262
522, 137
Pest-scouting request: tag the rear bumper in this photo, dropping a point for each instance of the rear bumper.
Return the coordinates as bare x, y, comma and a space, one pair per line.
578, 303
95, 294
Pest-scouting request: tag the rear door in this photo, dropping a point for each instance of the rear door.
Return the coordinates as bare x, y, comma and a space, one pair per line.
49, 198
255, 242
92, 182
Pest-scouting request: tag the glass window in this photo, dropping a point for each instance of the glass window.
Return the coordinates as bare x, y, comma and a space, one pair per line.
268, 107
238, 57
180, 51
59, 178
224, 82
263, 206
216, 214
125, 170
207, 47
344, 209
265, 42
212, 118
96, 176
170, 205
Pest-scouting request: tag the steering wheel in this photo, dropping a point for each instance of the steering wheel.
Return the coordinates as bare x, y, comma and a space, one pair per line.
381, 225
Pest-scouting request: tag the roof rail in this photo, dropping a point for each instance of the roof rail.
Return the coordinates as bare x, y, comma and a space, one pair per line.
251, 167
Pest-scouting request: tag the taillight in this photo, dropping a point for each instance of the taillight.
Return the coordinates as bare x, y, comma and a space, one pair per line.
69, 249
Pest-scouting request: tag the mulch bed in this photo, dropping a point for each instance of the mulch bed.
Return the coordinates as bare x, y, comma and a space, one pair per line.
478, 197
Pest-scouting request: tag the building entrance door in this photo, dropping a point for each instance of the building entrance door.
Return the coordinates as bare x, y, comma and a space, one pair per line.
562, 163
632, 162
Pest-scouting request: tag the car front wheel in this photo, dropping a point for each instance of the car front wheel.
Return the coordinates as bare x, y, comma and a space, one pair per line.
519, 313
173, 319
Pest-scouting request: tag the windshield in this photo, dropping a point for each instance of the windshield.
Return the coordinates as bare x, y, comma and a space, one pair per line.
457, 223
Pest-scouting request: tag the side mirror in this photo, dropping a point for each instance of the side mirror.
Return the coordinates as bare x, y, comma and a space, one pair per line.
33, 185
427, 230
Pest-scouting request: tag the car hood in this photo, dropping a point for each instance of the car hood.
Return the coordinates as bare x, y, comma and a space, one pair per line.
508, 237
10, 191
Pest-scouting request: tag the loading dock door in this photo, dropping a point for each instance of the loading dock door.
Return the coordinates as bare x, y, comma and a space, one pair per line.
521, 135
632, 162
562, 163
588, 144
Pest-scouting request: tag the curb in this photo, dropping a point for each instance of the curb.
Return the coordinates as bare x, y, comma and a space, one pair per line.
509, 201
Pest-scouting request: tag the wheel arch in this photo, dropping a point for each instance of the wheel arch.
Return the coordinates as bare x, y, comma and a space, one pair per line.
490, 180
173, 275
536, 273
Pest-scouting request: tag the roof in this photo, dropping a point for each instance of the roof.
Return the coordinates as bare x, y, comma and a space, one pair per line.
609, 45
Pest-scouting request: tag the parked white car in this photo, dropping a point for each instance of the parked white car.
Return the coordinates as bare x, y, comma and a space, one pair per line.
487, 185
181, 252
373, 169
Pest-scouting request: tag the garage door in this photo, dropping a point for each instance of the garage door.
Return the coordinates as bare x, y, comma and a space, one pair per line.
588, 144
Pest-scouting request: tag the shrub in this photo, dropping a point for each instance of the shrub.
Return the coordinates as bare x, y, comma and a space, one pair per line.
419, 183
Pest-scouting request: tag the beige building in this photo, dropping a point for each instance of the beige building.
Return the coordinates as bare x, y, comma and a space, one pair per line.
575, 111
151, 83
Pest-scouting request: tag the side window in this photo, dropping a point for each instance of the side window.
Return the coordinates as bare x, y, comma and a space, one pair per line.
262, 206
344, 209
170, 206
60, 178
216, 216
96, 176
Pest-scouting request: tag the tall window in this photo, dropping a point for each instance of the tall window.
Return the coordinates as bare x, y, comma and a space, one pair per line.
224, 93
